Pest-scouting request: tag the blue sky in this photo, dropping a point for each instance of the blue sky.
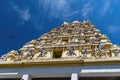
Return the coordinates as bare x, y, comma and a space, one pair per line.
24, 20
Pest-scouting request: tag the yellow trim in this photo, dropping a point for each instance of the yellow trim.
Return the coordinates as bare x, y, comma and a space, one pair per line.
59, 63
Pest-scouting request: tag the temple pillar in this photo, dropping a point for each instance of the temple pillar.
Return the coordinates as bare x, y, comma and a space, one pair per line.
74, 76
26, 77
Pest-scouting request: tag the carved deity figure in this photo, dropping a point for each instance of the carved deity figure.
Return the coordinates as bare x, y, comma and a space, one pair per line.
80, 32
28, 54
57, 39
97, 36
4, 57
72, 38
18, 58
85, 52
71, 52
86, 26
99, 48
64, 32
94, 51
116, 52
43, 52
92, 40
76, 31
90, 31
25, 53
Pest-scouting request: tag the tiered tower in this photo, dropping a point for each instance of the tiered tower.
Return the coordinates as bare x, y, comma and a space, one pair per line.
77, 43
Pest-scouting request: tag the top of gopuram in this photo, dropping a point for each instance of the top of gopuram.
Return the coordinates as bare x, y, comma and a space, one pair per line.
76, 43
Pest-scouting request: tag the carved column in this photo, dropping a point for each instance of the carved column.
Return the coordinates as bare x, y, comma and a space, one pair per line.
74, 76
26, 77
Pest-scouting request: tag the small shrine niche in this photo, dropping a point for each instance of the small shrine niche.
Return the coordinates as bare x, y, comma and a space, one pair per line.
72, 26
65, 39
57, 52
69, 31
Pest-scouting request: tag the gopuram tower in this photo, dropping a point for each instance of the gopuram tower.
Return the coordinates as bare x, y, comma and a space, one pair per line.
76, 45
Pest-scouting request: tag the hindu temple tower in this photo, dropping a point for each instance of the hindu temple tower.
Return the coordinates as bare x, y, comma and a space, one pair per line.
72, 51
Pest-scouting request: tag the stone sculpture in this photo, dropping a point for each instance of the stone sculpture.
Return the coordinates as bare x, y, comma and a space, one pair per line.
43, 52
71, 52
116, 52
85, 52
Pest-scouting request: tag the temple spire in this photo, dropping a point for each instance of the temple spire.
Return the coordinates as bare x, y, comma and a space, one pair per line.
76, 41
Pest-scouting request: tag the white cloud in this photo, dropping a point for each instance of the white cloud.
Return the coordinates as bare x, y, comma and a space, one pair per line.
72, 13
86, 10
113, 29
105, 8
57, 8
23, 13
